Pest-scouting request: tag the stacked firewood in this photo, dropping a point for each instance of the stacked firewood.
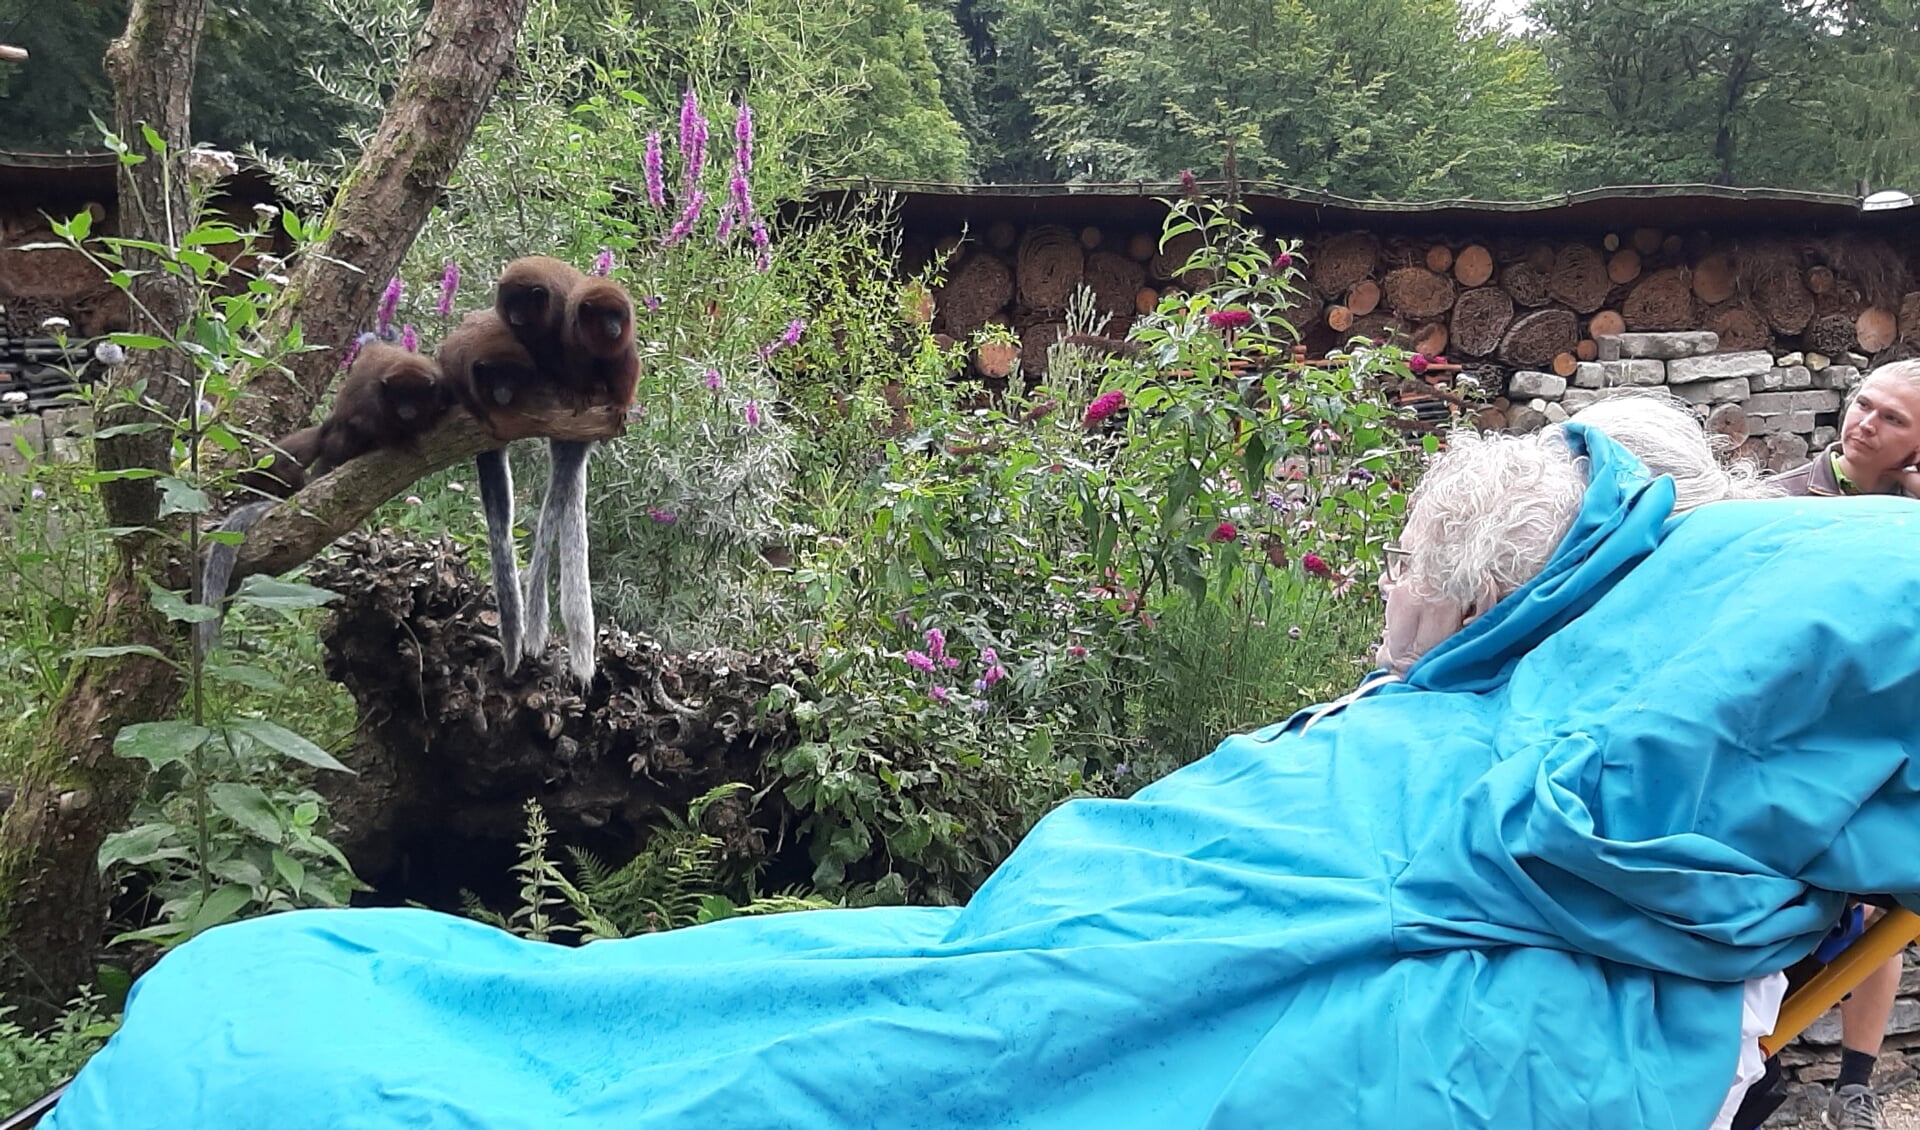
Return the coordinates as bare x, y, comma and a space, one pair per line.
1519, 302
37, 373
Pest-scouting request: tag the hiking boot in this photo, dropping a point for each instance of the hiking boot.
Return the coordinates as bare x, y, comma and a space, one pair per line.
1855, 1107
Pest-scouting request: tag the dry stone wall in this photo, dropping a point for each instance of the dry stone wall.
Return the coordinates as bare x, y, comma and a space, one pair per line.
1774, 408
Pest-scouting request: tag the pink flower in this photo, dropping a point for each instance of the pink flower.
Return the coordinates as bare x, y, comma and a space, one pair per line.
449, 286
683, 226
1312, 563
788, 338
1076, 652
656, 180
941, 695
1188, 184
1417, 363
693, 140
389, 306
1225, 531
713, 379
1104, 406
1230, 319
936, 643
949, 662
603, 262
409, 338
664, 517
752, 414
919, 662
651, 302
1283, 260
1439, 360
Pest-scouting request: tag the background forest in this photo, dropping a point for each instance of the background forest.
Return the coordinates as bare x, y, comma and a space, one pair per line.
1397, 99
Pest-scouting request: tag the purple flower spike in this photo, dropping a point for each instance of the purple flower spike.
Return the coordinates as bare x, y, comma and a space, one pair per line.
651, 302
693, 140
727, 212
409, 339
664, 517
449, 286
389, 306
753, 414
656, 177
743, 138
603, 262
763, 246
683, 227
713, 379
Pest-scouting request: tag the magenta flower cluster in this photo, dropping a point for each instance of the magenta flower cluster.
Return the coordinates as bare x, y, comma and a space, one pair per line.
935, 661
1104, 406
389, 306
788, 338
449, 286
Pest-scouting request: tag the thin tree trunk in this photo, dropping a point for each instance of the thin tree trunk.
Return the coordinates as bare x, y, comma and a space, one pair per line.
464, 50
75, 791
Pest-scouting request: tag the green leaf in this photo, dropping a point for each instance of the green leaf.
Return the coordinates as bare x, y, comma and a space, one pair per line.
244, 675
267, 592
126, 430
306, 814
289, 869
77, 228
248, 807
154, 142
237, 871
160, 743
135, 845
287, 743
220, 907
175, 607
179, 497
117, 651
137, 341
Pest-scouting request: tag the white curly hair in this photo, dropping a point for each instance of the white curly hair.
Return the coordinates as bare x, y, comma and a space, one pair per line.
1662, 431
1488, 513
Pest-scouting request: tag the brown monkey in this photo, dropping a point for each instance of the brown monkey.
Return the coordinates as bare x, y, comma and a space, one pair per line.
598, 342
531, 298
389, 396
286, 471
485, 364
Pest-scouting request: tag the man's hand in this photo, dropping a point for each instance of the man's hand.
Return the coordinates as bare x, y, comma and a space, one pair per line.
1909, 480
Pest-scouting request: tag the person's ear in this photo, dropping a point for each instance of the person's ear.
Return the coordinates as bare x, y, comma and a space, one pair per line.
1483, 601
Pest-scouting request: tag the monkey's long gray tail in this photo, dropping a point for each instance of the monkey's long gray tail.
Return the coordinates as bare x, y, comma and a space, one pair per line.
217, 573
496, 500
563, 526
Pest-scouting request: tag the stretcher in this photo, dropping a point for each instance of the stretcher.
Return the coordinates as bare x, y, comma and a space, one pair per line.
1818, 990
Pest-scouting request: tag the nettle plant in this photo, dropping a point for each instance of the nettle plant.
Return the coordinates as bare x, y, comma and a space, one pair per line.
227, 830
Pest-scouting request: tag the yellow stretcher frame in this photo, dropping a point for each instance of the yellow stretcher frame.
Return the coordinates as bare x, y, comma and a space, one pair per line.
1888, 936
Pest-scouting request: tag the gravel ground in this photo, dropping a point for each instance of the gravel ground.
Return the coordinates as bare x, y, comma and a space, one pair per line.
1903, 1109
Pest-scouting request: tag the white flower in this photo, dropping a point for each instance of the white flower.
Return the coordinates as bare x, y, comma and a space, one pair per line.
109, 354
461, 487
55, 323
266, 211
276, 279
413, 500
14, 397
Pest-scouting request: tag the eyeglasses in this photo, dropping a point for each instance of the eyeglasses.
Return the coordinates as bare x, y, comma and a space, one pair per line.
1396, 562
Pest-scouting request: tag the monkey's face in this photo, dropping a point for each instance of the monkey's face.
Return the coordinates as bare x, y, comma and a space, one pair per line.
525, 306
497, 381
601, 318
414, 397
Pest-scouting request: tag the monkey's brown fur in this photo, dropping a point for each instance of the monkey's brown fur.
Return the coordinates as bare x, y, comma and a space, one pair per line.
388, 398
531, 298
286, 471
598, 342
485, 364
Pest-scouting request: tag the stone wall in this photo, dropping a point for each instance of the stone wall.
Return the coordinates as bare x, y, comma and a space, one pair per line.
1775, 408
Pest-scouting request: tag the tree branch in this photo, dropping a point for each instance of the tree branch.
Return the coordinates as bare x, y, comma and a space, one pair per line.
337, 503
463, 50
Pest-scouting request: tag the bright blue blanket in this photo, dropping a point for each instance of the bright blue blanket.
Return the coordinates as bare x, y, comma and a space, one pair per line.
1519, 889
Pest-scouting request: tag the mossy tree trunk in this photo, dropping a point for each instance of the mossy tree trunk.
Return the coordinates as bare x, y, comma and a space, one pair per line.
74, 791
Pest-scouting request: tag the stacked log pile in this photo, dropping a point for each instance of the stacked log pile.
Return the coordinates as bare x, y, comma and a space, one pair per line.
44, 283
1498, 301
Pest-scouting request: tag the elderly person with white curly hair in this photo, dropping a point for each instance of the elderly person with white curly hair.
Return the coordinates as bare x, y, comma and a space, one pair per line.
1490, 511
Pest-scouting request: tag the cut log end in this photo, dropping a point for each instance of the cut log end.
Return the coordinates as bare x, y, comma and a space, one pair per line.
1364, 298
1439, 257
1339, 318
1473, 266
